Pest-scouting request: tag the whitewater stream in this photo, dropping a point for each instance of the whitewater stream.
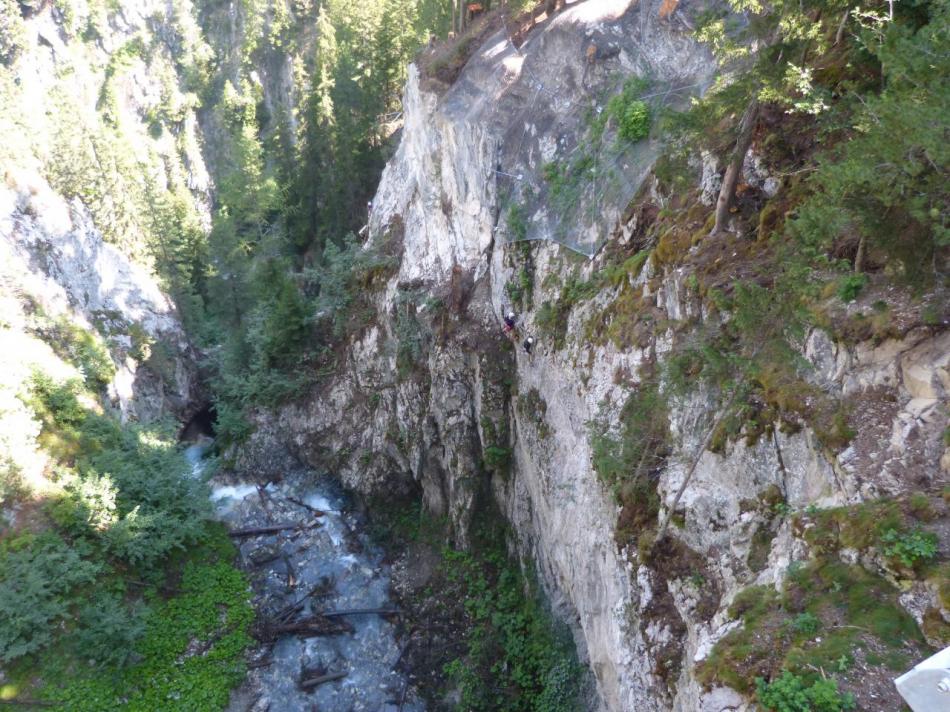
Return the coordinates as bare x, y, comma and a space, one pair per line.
325, 563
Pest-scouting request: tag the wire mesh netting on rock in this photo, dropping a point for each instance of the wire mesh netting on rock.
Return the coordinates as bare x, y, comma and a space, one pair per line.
573, 189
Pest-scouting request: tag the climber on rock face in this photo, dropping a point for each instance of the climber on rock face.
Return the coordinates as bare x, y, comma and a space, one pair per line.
528, 344
509, 322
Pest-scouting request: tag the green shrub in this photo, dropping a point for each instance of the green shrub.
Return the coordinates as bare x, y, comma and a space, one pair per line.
37, 574
805, 623
496, 458
517, 223
851, 287
13, 37
642, 442
57, 404
210, 616
790, 693
108, 632
82, 348
632, 115
635, 121
516, 660
909, 547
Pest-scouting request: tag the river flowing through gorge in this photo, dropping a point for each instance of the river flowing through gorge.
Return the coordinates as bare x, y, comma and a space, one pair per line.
321, 563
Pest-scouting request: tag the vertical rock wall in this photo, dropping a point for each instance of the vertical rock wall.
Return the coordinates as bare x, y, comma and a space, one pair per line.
478, 414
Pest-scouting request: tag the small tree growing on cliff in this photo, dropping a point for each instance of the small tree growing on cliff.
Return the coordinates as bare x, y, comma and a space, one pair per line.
766, 62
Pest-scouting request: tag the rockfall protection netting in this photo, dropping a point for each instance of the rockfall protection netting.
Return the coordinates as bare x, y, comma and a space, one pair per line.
592, 174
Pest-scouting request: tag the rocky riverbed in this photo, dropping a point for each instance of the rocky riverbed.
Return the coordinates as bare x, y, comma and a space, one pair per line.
312, 656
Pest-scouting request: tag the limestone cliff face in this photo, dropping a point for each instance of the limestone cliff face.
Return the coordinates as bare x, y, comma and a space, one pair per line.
98, 130
471, 413
55, 261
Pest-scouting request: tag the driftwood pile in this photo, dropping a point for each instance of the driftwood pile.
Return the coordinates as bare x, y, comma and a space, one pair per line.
290, 620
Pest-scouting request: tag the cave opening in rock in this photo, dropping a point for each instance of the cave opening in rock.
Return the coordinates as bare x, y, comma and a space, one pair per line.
200, 425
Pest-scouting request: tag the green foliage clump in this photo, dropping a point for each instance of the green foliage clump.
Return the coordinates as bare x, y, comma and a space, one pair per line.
552, 316
851, 287
889, 179
294, 323
109, 631
411, 335
521, 289
37, 574
805, 623
885, 524
81, 347
210, 616
635, 121
628, 461
496, 458
851, 608
12, 32
517, 222
127, 508
790, 693
910, 547
642, 442
126, 493
516, 660
632, 115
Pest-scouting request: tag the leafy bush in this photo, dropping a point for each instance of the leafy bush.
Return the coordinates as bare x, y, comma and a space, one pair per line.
909, 547
790, 693
516, 660
496, 458
851, 287
516, 222
632, 115
56, 403
635, 121
853, 608
13, 37
210, 617
805, 623
552, 317
888, 180
641, 443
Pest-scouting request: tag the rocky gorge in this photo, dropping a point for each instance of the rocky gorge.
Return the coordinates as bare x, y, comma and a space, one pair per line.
706, 486
643, 628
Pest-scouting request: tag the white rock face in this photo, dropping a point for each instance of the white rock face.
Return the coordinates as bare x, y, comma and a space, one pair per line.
54, 257
383, 431
79, 119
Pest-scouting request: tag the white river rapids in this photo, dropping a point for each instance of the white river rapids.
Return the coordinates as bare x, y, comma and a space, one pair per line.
324, 563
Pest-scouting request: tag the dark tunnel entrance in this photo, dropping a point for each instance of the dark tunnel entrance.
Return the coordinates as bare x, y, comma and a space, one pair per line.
201, 424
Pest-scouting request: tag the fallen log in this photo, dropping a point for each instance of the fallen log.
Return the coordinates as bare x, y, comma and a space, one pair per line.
307, 628
320, 679
313, 510
285, 614
361, 612
257, 531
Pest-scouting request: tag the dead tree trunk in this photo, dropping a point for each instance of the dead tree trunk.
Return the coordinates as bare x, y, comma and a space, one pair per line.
661, 531
859, 256
734, 169
839, 35
256, 531
320, 679
361, 612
